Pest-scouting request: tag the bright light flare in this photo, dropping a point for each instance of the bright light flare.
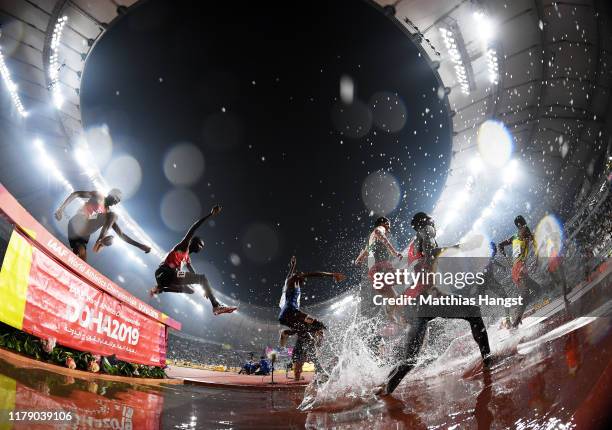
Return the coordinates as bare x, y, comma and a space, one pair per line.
549, 237
476, 165
494, 143
511, 172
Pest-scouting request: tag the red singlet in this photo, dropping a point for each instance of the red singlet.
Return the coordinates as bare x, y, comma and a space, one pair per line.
176, 259
93, 208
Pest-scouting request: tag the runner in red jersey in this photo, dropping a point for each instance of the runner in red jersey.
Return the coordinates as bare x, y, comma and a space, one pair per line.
171, 277
96, 213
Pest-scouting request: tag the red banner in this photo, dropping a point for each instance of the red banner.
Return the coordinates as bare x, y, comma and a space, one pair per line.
79, 409
47, 242
59, 304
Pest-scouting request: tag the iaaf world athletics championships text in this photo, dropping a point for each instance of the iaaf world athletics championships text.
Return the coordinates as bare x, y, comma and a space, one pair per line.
459, 280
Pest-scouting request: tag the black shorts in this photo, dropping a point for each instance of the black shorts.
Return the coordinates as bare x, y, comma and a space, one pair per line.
81, 228
173, 281
296, 320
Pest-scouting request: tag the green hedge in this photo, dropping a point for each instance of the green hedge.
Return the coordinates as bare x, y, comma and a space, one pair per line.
23, 343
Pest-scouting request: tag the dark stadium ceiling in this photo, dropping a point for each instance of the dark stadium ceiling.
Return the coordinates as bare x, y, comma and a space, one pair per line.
544, 71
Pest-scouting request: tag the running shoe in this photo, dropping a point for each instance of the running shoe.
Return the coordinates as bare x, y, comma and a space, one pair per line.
222, 309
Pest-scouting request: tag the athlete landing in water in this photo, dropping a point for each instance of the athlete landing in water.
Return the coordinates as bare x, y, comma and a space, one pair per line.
426, 247
308, 329
382, 253
94, 214
521, 244
170, 276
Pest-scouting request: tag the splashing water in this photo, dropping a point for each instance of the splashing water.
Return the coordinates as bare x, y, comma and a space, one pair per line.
349, 367
354, 359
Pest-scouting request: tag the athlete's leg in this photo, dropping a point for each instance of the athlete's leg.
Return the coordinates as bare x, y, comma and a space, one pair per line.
80, 249
78, 242
299, 354
494, 286
177, 288
521, 280
297, 370
284, 336
414, 341
109, 219
558, 278
301, 322
105, 221
188, 278
479, 332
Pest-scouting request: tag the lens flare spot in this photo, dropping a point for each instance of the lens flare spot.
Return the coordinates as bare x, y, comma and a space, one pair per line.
184, 164
494, 143
380, 192
260, 243
180, 208
124, 173
549, 237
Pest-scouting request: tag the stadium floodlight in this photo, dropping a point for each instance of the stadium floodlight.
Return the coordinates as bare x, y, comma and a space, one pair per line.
492, 66
11, 87
484, 26
49, 165
54, 63
455, 55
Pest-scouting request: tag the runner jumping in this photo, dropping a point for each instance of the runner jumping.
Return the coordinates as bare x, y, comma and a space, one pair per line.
94, 214
170, 276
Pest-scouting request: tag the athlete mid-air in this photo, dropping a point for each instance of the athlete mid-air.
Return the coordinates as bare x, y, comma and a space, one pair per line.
94, 215
171, 277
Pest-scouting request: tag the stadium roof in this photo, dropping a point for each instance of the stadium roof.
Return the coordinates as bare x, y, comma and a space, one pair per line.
543, 68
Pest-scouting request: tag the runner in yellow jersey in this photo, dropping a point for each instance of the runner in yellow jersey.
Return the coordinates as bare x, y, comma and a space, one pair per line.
521, 243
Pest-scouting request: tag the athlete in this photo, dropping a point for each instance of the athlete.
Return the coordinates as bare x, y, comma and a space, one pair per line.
308, 329
94, 214
170, 276
554, 267
492, 284
428, 250
521, 243
382, 253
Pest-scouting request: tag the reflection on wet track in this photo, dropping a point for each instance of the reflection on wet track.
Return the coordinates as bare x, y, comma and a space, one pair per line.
556, 372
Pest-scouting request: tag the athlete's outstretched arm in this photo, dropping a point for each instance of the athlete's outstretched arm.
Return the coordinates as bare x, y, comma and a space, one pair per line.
337, 276
504, 243
184, 243
74, 195
292, 264
129, 240
362, 255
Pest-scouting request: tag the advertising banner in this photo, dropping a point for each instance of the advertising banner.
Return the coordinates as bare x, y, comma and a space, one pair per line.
46, 242
41, 297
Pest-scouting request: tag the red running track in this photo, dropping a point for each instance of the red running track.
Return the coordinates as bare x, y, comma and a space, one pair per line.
211, 378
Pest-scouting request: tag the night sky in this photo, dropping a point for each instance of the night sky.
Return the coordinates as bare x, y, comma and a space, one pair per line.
255, 87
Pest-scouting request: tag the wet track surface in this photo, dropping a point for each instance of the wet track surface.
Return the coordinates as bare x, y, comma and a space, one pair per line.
554, 371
